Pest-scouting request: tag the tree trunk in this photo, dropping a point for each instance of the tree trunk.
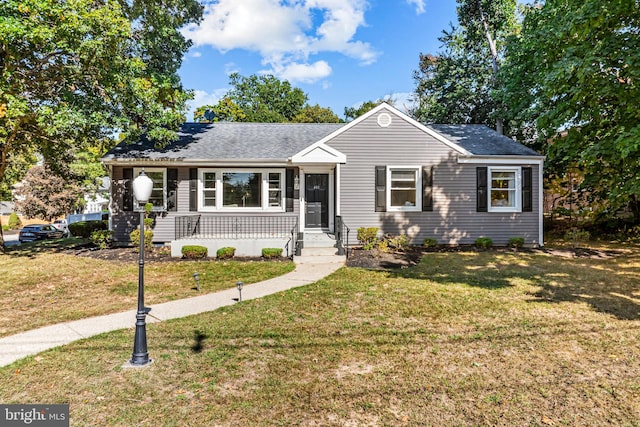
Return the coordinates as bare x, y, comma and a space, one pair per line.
1, 240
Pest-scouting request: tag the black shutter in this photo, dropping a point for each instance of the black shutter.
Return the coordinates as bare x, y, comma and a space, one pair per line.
481, 189
127, 191
427, 188
172, 190
381, 188
289, 179
527, 190
193, 189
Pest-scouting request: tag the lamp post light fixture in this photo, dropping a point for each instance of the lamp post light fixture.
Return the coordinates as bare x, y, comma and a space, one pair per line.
196, 277
239, 286
142, 187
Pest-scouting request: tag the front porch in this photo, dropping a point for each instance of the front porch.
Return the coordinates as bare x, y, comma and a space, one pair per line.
250, 234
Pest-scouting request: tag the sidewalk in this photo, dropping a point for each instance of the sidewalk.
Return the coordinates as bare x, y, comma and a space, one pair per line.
16, 347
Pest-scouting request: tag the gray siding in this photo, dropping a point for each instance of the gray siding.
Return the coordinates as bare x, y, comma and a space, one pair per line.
454, 219
122, 223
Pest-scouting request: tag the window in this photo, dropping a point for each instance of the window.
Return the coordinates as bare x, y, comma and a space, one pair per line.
505, 190
240, 189
159, 191
404, 188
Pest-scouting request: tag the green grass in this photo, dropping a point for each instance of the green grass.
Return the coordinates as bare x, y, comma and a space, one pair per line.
489, 338
46, 285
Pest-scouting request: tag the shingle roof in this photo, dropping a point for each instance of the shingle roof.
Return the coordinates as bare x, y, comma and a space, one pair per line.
279, 141
221, 141
481, 140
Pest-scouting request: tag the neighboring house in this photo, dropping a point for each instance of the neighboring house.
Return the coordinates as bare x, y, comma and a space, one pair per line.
97, 201
255, 185
6, 208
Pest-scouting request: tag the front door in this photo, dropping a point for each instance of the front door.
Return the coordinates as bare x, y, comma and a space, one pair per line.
317, 197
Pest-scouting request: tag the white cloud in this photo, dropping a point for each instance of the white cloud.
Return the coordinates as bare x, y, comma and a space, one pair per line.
420, 5
195, 54
286, 33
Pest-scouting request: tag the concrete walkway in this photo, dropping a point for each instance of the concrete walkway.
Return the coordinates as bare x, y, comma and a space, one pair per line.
16, 347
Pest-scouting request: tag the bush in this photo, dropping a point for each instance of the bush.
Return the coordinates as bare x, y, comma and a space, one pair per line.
194, 252
483, 242
226, 253
135, 239
429, 242
390, 242
576, 235
84, 229
271, 253
102, 238
368, 236
516, 242
14, 221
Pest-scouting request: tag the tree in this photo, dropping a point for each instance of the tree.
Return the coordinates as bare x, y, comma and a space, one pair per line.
73, 73
574, 67
351, 113
224, 111
316, 114
45, 195
266, 98
457, 85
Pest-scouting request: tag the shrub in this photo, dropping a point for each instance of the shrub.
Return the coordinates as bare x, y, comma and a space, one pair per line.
516, 242
84, 229
576, 235
483, 242
135, 239
368, 236
194, 252
102, 238
271, 253
5, 227
390, 242
14, 221
226, 253
429, 242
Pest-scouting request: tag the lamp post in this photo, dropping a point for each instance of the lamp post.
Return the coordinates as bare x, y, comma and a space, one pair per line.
239, 286
142, 187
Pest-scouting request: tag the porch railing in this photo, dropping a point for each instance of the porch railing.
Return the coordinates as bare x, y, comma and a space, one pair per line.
342, 236
236, 227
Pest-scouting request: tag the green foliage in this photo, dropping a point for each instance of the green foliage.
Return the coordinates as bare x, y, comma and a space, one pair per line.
571, 68
102, 238
84, 229
393, 243
483, 242
135, 239
576, 235
368, 237
266, 98
271, 253
429, 242
516, 242
194, 252
226, 253
351, 113
73, 73
14, 221
5, 227
315, 114
224, 111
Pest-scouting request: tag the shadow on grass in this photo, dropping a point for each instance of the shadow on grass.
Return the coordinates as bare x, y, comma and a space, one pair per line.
607, 280
32, 249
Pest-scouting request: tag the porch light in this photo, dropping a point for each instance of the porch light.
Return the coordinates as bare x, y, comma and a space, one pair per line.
296, 182
239, 285
196, 277
142, 187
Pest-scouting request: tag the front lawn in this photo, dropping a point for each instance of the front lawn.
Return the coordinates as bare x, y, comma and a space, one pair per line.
43, 283
489, 338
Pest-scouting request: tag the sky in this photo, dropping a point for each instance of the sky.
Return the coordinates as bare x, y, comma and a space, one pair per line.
341, 53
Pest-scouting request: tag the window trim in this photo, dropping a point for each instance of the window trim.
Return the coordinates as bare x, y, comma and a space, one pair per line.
517, 190
136, 172
264, 192
417, 207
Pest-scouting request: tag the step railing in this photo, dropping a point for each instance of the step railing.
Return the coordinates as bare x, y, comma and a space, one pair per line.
342, 236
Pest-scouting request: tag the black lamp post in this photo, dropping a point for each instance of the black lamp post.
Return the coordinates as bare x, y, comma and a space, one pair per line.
239, 286
142, 187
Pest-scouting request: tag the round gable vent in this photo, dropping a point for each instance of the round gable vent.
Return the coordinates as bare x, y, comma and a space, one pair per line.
384, 120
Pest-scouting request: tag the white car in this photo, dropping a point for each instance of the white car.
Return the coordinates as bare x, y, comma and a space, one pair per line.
61, 224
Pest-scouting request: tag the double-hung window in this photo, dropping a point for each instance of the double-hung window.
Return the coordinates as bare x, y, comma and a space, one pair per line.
504, 189
404, 188
159, 190
238, 190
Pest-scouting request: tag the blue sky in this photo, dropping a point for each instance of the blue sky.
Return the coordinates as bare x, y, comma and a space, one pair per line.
340, 52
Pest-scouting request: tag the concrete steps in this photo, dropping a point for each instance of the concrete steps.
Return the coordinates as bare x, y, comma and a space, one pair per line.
319, 248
